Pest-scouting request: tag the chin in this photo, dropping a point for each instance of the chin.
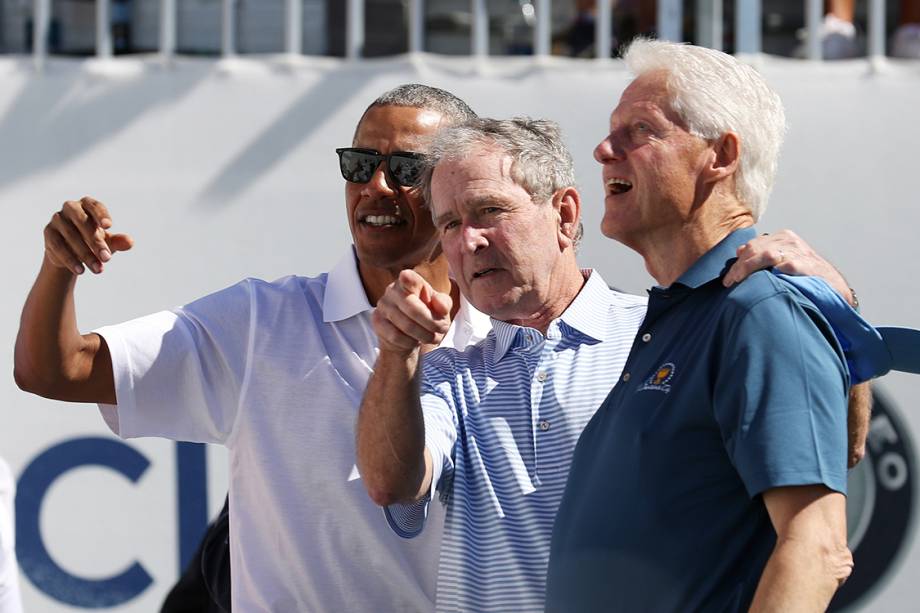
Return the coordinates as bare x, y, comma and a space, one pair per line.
611, 229
382, 256
619, 227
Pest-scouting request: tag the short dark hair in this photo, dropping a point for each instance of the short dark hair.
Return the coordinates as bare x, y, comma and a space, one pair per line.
418, 96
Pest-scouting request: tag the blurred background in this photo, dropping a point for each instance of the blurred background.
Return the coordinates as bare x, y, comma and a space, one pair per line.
259, 26
209, 126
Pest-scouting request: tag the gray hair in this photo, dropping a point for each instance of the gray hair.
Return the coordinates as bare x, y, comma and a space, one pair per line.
540, 161
418, 96
713, 93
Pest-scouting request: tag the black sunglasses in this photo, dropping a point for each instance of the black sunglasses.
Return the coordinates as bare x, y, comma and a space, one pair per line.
359, 165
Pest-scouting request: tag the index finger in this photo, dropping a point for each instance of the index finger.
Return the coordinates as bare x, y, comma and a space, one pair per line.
97, 211
411, 282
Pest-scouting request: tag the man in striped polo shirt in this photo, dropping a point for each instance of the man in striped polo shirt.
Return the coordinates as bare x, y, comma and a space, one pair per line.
493, 428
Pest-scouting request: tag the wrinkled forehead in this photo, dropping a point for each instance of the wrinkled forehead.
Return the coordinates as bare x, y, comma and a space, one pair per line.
461, 180
649, 92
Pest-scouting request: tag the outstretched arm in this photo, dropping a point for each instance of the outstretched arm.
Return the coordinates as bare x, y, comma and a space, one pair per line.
788, 253
52, 358
392, 459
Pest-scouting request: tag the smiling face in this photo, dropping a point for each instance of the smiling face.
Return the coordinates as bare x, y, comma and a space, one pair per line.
390, 224
510, 257
652, 166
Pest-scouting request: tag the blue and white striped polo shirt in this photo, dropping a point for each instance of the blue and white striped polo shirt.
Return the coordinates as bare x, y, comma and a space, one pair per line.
501, 422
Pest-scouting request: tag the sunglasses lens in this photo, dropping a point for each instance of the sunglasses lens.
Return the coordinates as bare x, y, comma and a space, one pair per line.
405, 170
357, 166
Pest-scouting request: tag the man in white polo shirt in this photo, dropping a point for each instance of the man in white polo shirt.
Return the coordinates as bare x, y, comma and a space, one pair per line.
274, 371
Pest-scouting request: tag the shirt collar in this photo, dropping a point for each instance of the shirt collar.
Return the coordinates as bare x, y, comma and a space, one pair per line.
713, 263
345, 296
581, 315
468, 327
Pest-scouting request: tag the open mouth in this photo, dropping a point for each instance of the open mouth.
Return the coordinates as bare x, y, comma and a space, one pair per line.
382, 221
618, 186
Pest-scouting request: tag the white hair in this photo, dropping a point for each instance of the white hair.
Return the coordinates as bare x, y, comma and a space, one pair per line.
713, 93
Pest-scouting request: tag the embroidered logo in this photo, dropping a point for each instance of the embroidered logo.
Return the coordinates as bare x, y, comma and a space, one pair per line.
660, 379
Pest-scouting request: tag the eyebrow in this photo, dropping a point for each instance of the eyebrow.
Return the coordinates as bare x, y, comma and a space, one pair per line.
644, 112
471, 204
440, 219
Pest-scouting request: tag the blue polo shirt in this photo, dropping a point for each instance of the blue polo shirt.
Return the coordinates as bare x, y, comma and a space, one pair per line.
727, 392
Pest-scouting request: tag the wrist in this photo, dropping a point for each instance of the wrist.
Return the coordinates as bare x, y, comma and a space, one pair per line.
395, 353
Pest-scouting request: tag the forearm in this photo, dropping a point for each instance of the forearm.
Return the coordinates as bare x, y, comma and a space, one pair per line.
800, 577
858, 415
52, 358
391, 432
810, 559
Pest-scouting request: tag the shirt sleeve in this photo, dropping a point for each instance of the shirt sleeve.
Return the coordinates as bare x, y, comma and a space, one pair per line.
408, 520
179, 374
781, 397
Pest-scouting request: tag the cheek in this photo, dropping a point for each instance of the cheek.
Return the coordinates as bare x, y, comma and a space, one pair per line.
415, 201
450, 247
352, 196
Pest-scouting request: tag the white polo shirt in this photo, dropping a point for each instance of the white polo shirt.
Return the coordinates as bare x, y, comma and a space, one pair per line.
276, 372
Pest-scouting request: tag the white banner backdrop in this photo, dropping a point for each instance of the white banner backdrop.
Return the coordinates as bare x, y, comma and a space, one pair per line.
226, 169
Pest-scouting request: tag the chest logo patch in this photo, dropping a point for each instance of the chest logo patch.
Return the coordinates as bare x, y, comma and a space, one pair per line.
660, 379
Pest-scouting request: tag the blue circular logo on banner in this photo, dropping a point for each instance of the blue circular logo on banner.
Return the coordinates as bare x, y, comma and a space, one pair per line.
880, 505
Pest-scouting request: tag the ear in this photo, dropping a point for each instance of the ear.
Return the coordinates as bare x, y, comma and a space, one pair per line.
724, 157
567, 204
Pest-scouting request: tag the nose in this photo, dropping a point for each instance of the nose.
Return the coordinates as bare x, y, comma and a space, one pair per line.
607, 150
379, 185
474, 239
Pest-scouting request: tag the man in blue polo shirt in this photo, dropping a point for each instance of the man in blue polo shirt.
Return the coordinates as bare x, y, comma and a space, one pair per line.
713, 476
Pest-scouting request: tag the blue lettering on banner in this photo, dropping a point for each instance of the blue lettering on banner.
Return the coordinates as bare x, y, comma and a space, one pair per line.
191, 498
34, 559
38, 477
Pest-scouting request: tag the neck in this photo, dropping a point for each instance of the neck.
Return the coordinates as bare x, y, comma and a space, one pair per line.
565, 287
670, 251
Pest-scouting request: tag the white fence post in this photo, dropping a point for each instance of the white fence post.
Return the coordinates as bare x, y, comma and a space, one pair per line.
167, 29
876, 29
480, 30
293, 30
542, 28
602, 25
228, 31
354, 29
709, 23
103, 30
671, 20
41, 18
416, 26
814, 16
747, 27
